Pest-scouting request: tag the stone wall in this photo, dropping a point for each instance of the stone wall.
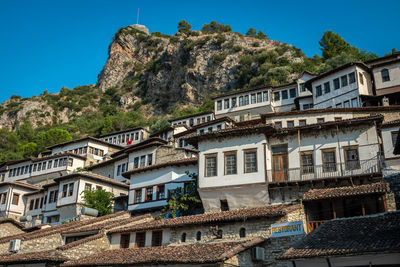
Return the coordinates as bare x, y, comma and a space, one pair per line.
42, 243
7, 229
167, 154
394, 181
87, 248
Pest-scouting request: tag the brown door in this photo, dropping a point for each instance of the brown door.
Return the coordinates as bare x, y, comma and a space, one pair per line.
280, 167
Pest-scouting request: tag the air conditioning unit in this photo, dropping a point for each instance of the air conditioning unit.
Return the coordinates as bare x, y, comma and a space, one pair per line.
15, 244
258, 254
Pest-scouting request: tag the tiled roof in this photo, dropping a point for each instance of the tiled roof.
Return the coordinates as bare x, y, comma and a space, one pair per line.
181, 162
350, 236
89, 138
152, 141
204, 124
33, 257
188, 254
223, 216
59, 228
10, 220
21, 184
346, 191
92, 176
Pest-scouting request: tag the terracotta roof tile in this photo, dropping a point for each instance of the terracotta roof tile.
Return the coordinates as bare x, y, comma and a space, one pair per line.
21, 184
10, 220
188, 254
346, 191
350, 236
224, 216
181, 162
33, 257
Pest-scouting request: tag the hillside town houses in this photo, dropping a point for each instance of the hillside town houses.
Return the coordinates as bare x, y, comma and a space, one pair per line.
302, 174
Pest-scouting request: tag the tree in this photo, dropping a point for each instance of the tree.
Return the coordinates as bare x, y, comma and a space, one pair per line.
251, 32
52, 137
184, 201
184, 26
100, 200
108, 125
160, 125
214, 27
28, 149
261, 35
332, 44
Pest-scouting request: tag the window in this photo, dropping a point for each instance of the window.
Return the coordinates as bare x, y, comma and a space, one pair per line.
142, 161
338, 118
49, 164
259, 97
36, 204
138, 195
224, 205
41, 202
149, 159
136, 162
203, 120
307, 162
327, 87
219, 234
71, 189
354, 103
233, 105
15, 199
250, 159
290, 124
230, 163
352, 77
98, 187
302, 87
209, 129
198, 236
149, 193
284, 94
219, 127
137, 136
329, 160
31, 204
302, 122
394, 137
360, 78
226, 103
385, 75
55, 165
191, 122
124, 242
65, 189
344, 80
320, 120
253, 99
277, 96
292, 93
241, 103
351, 158
161, 192
265, 95
183, 238
123, 167
39, 168
219, 104
119, 170
318, 90
55, 196
201, 131
140, 241
278, 124
156, 238
88, 187
211, 165
246, 99
209, 117
242, 232
339, 105
346, 104
51, 196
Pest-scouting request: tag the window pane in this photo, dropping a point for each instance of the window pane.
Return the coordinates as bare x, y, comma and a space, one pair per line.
292, 93
230, 161
284, 94
352, 77
329, 161
211, 166
251, 162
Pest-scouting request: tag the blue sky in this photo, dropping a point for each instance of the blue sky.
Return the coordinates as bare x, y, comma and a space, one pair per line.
50, 44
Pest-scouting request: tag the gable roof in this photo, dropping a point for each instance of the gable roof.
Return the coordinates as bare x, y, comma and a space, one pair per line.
21, 184
269, 211
377, 233
93, 176
187, 254
346, 191
153, 141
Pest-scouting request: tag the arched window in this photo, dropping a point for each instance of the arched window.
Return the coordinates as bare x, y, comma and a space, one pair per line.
385, 75
242, 232
183, 238
219, 234
198, 236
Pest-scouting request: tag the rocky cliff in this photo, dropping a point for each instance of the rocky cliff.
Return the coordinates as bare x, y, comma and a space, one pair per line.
162, 72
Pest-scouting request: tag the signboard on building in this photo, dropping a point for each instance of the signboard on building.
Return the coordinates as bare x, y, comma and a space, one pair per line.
287, 229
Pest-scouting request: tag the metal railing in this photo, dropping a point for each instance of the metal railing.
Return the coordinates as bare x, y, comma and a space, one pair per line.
327, 170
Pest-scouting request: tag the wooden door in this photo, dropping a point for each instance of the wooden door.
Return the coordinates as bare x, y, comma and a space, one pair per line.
280, 167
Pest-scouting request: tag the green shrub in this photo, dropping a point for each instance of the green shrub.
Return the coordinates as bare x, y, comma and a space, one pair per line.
214, 27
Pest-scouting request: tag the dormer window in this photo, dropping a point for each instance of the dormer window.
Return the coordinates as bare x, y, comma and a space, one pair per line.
385, 75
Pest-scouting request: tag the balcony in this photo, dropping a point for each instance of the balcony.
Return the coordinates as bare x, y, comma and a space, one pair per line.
326, 171
312, 225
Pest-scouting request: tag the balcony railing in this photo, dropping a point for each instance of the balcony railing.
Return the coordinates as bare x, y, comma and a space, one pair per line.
312, 225
327, 170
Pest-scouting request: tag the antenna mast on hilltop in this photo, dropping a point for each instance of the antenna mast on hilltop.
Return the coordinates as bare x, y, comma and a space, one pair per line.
137, 20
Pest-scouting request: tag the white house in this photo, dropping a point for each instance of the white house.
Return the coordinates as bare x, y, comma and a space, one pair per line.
126, 137
344, 86
194, 119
